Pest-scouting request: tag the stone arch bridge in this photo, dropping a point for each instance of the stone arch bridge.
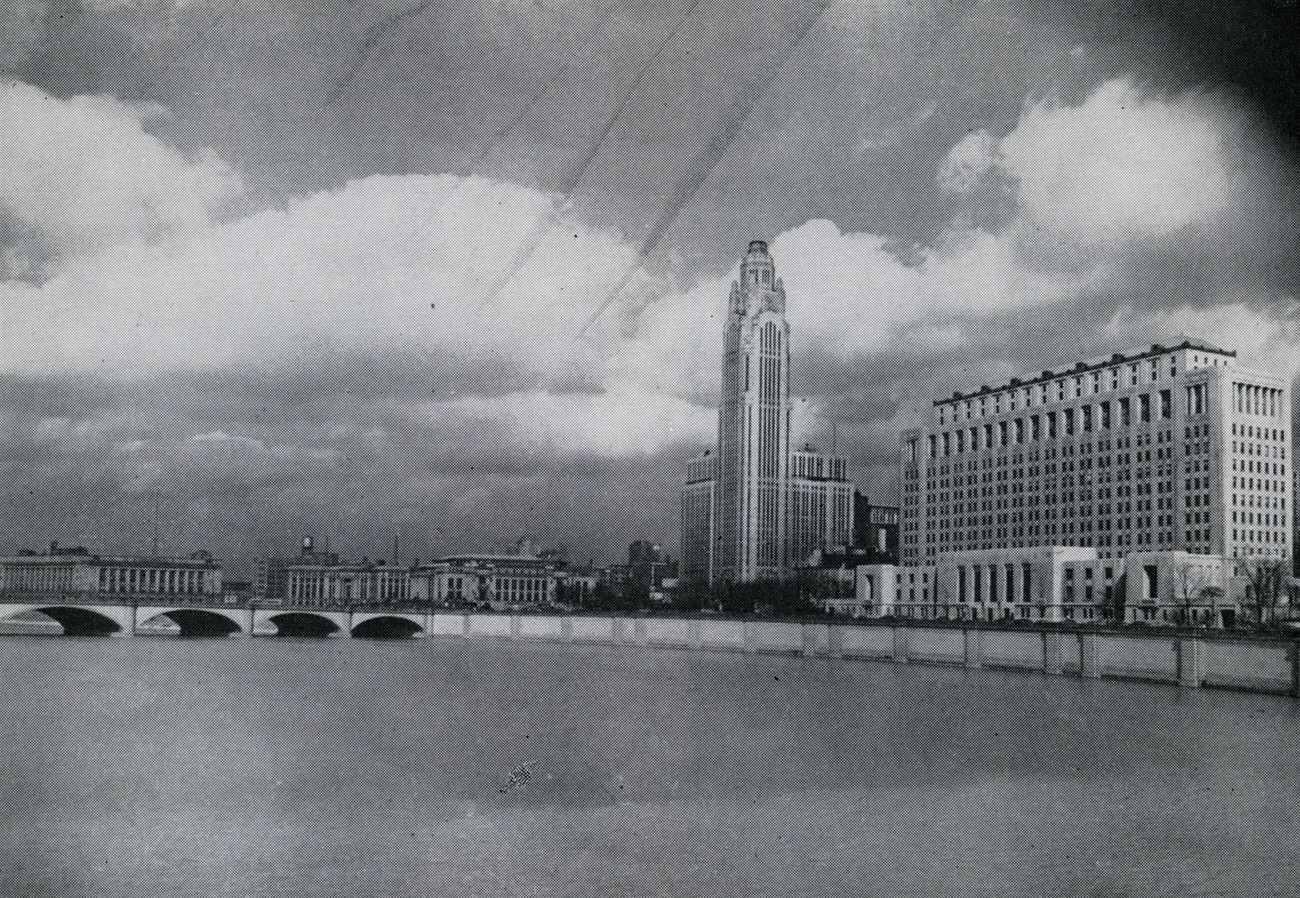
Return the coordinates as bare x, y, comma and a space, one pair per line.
95, 619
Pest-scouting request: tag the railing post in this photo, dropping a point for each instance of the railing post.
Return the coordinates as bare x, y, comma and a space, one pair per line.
900, 644
1191, 661
973, 647
1052, 653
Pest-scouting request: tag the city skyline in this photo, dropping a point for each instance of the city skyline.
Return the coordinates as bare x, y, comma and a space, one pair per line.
369, 289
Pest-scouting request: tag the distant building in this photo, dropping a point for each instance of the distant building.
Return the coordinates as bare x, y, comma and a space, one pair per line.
329, 582
819, 509
75, 574
1053, 584
498, 581
698, 510
875, 531
271, 575
646, 576
746, 514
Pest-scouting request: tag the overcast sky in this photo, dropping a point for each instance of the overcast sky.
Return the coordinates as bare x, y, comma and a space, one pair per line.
453, 270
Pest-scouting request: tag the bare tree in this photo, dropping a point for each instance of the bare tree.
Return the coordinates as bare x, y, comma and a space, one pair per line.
1193, 586
1265, 586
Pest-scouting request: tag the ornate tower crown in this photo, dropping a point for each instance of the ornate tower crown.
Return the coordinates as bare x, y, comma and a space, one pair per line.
758, 288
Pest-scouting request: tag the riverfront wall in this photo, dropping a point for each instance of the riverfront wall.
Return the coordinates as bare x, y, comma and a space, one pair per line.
1251, 663
1191, 658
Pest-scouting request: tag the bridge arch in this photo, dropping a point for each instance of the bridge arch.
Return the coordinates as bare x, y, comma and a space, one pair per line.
388, 626
194, 621
303, 624
75, 620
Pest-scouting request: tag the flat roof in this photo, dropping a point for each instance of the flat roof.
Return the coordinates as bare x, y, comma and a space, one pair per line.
1119, 358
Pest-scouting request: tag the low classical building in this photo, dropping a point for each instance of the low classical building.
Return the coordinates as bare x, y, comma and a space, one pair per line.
74, 574
501, 582
1052, 584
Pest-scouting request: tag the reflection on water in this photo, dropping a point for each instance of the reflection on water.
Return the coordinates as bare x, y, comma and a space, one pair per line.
286, 767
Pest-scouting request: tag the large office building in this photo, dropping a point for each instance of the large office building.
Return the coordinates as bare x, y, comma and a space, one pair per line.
1168, 449
1147, 483
751, 508
753, 426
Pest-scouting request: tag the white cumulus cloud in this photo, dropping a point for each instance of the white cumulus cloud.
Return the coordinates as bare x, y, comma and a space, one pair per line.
85, 173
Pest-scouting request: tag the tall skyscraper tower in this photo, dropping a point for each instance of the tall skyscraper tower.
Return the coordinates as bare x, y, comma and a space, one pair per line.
753, 426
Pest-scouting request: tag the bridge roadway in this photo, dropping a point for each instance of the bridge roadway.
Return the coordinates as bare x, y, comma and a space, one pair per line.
90, 617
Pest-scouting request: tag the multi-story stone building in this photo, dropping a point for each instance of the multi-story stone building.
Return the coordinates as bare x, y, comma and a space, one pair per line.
745, 515
1141, 486
75, 574
1172, 448
699, 499
819, 510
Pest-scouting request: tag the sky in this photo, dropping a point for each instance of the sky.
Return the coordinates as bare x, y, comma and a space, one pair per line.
452, 272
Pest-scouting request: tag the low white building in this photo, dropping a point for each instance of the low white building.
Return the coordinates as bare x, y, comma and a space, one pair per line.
1054, 584
501, 582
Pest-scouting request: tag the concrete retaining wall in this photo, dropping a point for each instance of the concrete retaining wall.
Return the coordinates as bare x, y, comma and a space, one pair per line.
936, 646
867, 642
1256, 665
775, 636
1248, 665
593, 629
536, 627
722, 634
1142, 657
491, 624
1010, 648
448, 624
668, 631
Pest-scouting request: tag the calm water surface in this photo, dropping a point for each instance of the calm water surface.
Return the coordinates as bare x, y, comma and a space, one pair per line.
161, 767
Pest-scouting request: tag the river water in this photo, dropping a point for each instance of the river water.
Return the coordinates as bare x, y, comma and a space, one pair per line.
159, 767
